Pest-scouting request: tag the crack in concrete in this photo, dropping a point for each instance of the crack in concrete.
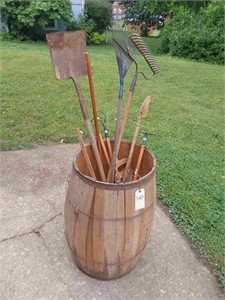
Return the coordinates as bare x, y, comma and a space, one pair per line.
38, 232
35, 230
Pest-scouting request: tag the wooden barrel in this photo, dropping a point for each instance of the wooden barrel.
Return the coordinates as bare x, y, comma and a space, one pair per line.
108, 225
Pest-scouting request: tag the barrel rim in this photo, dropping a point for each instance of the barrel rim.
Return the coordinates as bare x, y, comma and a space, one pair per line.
116, 186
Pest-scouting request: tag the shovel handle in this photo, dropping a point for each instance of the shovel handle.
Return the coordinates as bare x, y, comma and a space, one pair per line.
89, 129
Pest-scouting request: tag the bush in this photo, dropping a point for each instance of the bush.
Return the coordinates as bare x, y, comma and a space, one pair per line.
84, 24
97, 38
196, 36
100, 11
23, 16
96, 17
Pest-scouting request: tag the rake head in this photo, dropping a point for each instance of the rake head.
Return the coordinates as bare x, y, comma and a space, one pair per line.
134, 41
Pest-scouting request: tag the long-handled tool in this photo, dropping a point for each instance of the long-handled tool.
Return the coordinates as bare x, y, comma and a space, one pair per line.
67, 51
91, 86
142, 114
141, 152
85, 154
124, 62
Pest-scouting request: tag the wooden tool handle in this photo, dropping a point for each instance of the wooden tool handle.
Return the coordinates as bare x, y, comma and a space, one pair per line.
111, 173
89, 129
142, 114
138, 162
124, 117
127, 108
109, 148
125, 173
104, 150
84, 151
91, 85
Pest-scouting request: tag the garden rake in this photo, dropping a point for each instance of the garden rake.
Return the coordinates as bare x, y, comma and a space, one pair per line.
67, 51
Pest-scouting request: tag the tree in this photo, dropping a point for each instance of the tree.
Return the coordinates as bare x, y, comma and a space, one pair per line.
22, 16
196, 34
100, 11
144, 12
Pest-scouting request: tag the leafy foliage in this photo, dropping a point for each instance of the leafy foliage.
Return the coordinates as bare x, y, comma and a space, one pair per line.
22, 16
197, 36
96, 17
84, 24
97, 38
100, 11
144, 11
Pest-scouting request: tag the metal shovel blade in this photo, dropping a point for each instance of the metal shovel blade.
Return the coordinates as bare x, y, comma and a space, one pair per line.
67, 51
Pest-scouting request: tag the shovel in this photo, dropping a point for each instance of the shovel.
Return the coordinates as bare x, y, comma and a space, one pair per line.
67, 51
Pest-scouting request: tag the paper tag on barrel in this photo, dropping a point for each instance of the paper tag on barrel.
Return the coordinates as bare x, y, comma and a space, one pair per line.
140, 199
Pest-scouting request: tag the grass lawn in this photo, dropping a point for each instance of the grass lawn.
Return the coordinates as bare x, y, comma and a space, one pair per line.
186, 114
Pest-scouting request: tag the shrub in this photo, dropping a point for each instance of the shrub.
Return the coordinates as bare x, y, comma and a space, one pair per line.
84, 24
195, 35
97, 38
96, 17
22, 16
100, 11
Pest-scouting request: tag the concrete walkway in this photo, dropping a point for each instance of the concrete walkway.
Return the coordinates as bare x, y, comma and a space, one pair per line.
36, 262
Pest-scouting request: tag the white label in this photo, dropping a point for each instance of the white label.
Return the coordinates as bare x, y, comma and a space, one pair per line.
139, 199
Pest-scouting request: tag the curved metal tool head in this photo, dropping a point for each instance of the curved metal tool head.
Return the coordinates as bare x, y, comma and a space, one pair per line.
124, 60
67, 51
135, 42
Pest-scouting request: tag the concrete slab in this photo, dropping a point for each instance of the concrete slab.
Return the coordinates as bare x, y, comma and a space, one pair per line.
36, 262
27, 271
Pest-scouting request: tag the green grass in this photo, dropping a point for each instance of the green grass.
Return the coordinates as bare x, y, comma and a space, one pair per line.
186, 114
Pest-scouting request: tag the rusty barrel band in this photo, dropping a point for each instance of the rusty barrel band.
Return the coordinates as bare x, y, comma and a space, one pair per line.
116, 186
77, 211
111, 264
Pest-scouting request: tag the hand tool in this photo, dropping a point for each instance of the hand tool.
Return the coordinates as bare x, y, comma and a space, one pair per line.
124, 62
142, 114
67, 51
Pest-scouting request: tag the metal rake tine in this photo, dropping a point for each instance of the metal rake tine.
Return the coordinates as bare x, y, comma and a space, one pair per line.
144, 50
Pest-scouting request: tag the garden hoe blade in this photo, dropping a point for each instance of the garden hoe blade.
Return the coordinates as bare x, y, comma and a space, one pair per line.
67, 51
